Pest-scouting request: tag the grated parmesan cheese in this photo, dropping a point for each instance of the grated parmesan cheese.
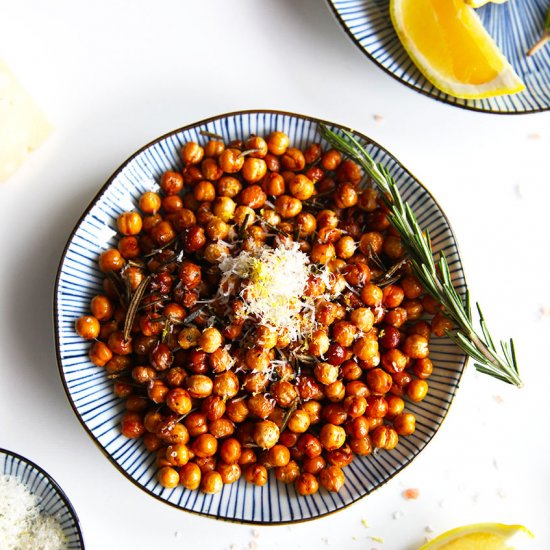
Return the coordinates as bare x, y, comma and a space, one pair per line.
22, 525
273, 284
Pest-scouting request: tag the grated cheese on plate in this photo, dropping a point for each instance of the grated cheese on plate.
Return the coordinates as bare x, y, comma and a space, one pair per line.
274, 283
22, 524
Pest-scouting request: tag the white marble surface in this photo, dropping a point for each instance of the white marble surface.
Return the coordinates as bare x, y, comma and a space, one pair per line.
112, 75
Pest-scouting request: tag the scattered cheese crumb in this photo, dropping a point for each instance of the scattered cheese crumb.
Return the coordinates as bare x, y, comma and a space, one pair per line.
411, 494
429, 529
22, 524
177, 534
501, 493
545, 310
397, 514
378, 118
498, 398
534, 135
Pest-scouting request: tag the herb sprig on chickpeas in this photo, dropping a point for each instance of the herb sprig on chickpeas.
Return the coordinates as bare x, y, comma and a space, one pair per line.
259, 313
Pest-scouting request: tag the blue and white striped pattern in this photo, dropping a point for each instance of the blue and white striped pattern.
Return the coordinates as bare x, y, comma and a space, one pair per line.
515, 25
52, 500
90, 392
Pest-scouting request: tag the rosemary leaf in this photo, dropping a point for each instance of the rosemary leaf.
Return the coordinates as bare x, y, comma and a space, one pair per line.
134, 306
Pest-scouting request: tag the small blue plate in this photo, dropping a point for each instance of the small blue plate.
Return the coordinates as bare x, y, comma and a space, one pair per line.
90, 392
52, 500
515, 25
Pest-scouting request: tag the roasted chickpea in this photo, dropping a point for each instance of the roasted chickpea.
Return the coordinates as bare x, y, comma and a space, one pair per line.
301, 187
273, 184
266, 434
129, 223
256, 474
395, 406
111, 260
253, 196
422, 368
190, 476
192, 153
204, 191
100, 354
179, 400
416, 346
322, 253
441, 324
394, 361
362, 318
131, 425
228, 186
306, 484
231, 161
288, 473
87, 327
299, 421
211, 482
254, 169
277, 143
332, 437
417, 390
149, 202
392, 296
199, 386
345, 196
244, 216
332, 478
396, 317
193, 239
287, 206
168, 477
404, 424
278, 456
372, 295
331, 159
366, 349
205, 445
214, 148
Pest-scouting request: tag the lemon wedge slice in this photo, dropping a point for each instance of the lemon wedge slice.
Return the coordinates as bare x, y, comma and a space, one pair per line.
479, 3
481, 536
448, 43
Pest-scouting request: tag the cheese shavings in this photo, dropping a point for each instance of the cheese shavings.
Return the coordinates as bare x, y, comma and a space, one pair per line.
22, 525
273, 284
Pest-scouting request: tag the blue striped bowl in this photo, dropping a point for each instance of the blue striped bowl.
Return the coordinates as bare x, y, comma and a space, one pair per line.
52, 500
515, 25
90, 393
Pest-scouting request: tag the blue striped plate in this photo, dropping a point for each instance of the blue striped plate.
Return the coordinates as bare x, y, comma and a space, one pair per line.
515, 25
90, 393
52, 500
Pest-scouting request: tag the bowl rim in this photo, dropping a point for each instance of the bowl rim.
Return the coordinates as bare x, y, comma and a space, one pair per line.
92, 203
441, 98
54, 484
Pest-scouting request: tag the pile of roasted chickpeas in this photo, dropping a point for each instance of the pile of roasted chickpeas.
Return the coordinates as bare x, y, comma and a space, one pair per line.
215, 393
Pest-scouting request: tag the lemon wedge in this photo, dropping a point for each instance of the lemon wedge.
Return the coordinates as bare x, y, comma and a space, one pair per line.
481, 536
448, 43
479, 3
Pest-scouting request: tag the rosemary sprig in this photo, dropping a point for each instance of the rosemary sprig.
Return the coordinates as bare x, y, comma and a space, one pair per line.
434, 275
544, 37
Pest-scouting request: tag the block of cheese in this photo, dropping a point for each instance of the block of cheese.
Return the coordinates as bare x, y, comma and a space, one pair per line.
23, 126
